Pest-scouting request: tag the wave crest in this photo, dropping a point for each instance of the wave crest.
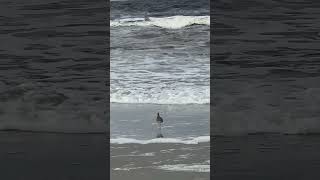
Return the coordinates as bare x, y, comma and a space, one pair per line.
178, 95
195, 140
172, 22
40, 107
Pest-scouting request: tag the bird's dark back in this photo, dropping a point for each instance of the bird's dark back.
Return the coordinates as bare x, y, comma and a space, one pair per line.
159, 119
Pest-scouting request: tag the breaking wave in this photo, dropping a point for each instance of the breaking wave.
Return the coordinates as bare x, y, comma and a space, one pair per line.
178, 95
40, 107
195, 140
172, 22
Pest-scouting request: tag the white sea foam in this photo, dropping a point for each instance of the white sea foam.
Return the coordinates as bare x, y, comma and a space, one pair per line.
136, 155
175, 167
186, 167
127, 168
178, 95
172, 22
195, 140
40, 107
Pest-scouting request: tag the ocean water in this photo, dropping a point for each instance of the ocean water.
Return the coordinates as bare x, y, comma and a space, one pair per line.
265, 67
265, 76
161, 60
272, 156
159, 63
53, 66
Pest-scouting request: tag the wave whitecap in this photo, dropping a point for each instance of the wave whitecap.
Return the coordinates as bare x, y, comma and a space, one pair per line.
172, 22
178, 95
40, 107
195, 140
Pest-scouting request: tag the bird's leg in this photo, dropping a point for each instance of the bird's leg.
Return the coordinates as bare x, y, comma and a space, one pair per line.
159, 128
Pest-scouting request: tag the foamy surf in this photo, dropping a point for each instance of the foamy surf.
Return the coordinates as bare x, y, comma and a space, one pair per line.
195, 140
203, 168
43, 108
158, 95
186, 167
172, 22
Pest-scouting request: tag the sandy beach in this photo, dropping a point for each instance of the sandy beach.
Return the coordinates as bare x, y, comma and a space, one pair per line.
160, 161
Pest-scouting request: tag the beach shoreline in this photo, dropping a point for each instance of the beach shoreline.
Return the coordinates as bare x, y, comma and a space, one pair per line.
160, 160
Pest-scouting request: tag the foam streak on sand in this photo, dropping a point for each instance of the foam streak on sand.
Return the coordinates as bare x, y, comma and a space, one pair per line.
196, 140
172, 22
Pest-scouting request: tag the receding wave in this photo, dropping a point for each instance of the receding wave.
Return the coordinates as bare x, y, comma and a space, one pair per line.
195, 140
178, 95
172, 22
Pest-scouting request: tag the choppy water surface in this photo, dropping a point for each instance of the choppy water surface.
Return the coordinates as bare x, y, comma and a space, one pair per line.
160, 52
53, 65
265, 66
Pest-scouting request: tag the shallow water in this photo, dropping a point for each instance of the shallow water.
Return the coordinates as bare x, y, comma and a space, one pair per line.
137, 121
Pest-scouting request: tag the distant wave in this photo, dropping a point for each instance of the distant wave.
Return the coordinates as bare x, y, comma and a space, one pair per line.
195, 140
178, 95
172, 22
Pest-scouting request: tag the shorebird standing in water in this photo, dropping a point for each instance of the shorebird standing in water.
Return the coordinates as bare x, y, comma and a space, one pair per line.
159, 121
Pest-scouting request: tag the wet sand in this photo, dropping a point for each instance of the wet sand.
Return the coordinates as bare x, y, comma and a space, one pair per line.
39, 156
137, 161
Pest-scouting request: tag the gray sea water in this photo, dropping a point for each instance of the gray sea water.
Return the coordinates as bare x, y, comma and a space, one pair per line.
265, 76
138, 121
53, 65
159, 52
265, 68
159, 63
